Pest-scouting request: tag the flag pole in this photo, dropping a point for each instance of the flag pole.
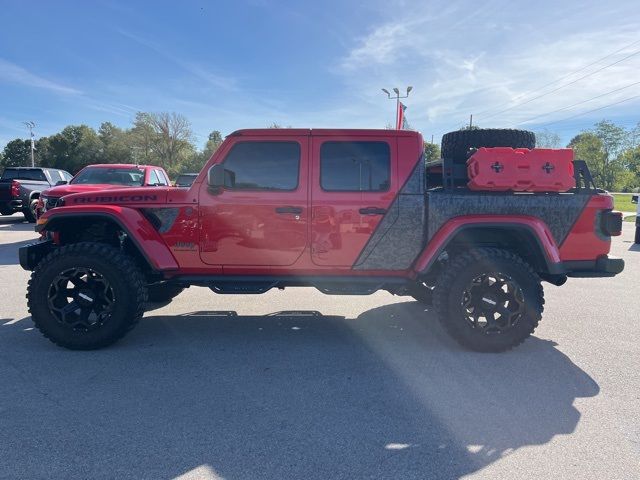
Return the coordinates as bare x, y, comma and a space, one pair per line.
397, 98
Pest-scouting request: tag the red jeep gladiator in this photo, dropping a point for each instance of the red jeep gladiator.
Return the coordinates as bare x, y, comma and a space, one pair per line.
349, 212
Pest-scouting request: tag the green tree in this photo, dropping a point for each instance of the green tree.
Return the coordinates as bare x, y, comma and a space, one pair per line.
614, 141
197, 160
17, 153
75, 147
588, 147
214, 141
142, 139
431, 151
116, 144
630, 164
163, 139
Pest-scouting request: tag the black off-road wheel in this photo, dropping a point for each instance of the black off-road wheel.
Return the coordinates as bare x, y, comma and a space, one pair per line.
457, 145
489, 300
86, 295
163, 292
30, 213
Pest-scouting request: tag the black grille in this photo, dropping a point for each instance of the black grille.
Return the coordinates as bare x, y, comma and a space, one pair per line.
50, 202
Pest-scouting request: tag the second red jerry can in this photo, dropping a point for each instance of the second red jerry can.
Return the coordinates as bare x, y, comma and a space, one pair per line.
503, 169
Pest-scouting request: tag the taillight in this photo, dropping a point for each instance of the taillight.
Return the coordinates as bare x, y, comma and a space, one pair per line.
15, 188
611, 223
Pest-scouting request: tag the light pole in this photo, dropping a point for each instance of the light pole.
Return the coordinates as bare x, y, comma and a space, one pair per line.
31, 125
397, 98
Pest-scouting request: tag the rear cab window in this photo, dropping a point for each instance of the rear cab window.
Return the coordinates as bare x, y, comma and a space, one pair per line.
24, 174
360, 166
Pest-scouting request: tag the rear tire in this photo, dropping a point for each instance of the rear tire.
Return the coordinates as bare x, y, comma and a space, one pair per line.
637, 237
489, 300
456, 145
86, 295
30, 213
163, 292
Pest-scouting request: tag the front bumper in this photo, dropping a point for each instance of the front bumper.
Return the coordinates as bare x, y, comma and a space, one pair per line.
603, 266
30, 255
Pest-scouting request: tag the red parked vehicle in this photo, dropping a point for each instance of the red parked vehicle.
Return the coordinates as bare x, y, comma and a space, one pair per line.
346, 211
104, 177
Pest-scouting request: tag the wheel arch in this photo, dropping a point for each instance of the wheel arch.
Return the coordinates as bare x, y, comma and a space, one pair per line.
528, 237
147, 242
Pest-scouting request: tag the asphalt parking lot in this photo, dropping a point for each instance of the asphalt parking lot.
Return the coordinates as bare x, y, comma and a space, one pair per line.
297, 384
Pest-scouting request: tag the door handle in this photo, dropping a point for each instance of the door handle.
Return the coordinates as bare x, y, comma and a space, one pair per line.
296, 210
373, 211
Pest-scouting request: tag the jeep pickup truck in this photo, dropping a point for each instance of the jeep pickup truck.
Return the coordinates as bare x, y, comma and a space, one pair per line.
104, 177
20, 188
349, 212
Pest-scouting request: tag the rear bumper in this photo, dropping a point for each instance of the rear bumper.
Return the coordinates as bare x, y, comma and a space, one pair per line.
603, 266
30, 255
14, 205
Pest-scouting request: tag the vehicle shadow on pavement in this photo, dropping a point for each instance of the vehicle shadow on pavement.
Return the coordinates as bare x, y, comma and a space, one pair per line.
9, 252
285, 395
16, 223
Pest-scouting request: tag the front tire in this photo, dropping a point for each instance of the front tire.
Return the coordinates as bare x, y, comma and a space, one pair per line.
86, 295
489, 300
637, 237
30, 213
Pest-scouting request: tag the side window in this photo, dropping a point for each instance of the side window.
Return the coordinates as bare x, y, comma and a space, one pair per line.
263, 166
153, 178
162, 180
67, 176
355, 166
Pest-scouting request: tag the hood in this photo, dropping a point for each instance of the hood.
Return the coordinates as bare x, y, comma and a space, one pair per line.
68, 189
119, 196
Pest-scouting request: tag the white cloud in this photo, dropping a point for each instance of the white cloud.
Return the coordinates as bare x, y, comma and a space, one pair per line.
481, 59
12, 73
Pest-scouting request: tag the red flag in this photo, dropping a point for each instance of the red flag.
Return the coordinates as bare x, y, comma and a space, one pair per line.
402, 121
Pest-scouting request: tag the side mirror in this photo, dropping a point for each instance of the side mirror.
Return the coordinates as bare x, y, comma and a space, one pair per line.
61, 182
215, 178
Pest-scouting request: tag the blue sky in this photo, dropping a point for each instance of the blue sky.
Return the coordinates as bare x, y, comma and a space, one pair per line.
230, 65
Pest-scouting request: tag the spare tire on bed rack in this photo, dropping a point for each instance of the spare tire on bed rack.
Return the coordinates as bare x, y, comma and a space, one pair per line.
456, 145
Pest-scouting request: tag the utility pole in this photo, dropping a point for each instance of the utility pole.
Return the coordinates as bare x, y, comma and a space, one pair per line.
31, 125
397, 98
470, 121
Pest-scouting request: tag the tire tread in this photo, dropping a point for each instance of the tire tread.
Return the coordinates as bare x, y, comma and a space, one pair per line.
459, 264
129, 270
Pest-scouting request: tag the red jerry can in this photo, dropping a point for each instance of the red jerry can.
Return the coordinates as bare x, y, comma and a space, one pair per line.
503, 169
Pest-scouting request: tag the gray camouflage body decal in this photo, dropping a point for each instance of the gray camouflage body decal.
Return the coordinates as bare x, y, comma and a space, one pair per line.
400, 236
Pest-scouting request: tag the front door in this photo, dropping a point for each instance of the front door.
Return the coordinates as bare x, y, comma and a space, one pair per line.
353, 183
260, 216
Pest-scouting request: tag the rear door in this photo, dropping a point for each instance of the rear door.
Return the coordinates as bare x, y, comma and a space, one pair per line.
353, 182
260, 217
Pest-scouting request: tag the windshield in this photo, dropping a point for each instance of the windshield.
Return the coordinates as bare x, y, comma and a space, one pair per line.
112, 176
